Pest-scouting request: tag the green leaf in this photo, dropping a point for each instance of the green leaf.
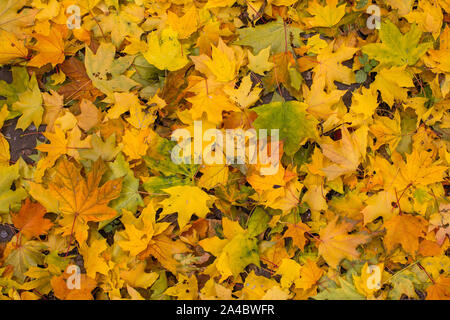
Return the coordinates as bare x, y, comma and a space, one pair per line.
129, 198
164, 163
159, 287
106, 150
10, 199
397, 49
363, 59
408, 125
241, 251
295, 125
25, 256
403, 284
7, 176
106, 72
156, 184
301, 157
361, 4
270, 34
346, 292
296, 78
19, 84
146, 74
360, 76
258, 221
30, 105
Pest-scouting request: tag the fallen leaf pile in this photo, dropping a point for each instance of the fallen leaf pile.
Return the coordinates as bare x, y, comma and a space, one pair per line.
92, 91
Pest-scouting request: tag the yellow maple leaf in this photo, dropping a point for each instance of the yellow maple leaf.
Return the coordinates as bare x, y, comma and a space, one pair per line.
223, 62
336, 244
123, 101
429, 17
165, 51
379, 205
186, 200
136, 142
212, 104
344, 154
244, 96
320, 102
329, 64
387, 131
138, 278
365, 102
11, 48
437, 59
392, 83
57, 147
260, 63
186, 24
325, 16
430, 172
92, 257
213, 175
185, 289
289, 271
234, 252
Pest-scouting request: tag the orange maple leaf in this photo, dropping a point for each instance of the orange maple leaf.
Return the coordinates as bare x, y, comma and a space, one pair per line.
297, 233
30, 220
404, 230
61, 290
82, 200
50, 48
440, 290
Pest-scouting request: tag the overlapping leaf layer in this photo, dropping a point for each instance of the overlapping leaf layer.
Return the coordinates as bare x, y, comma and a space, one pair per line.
93, 89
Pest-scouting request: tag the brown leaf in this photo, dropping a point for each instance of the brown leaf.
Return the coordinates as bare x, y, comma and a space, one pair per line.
80, 86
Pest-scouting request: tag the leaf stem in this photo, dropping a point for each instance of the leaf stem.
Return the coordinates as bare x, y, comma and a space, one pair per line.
426, 272
71, 234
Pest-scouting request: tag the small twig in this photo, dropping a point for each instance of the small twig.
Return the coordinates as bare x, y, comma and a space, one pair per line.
257, 13
31, 133
426, 272
95, 19
285, 38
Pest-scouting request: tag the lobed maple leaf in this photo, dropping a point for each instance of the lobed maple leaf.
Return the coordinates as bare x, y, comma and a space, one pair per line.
82, 200
336, 244
396, 48
30, 220
404, 230
355, 205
